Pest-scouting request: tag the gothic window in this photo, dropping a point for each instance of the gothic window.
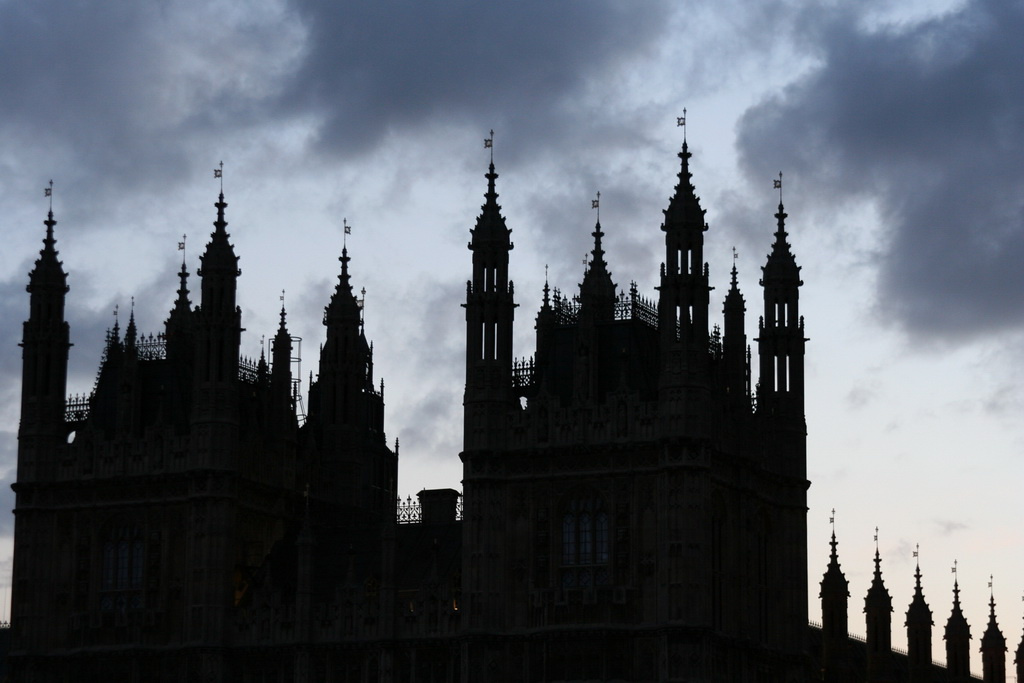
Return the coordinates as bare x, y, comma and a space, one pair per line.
122, 575
585, 544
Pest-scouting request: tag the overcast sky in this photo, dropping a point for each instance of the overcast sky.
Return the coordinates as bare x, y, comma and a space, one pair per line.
899, 128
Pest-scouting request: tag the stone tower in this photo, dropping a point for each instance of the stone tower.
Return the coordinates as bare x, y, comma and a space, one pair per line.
602, 476
919, 634
835, 597
993, 648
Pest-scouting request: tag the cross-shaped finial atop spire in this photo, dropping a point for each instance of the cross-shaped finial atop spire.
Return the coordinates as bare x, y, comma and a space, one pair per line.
876, 539
219, 173
832, 519
489, 144
954, 567
48, 192
917, 549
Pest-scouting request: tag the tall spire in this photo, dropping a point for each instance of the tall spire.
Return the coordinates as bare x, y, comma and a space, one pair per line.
45, 344
219, 268
919, 631
490, 310
834, 596
993, 645
343, 305
958, 637
597, 291
878, 616
48, 273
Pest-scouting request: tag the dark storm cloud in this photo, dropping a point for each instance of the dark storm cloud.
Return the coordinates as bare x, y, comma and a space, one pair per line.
928, 120
121, 93
371, 68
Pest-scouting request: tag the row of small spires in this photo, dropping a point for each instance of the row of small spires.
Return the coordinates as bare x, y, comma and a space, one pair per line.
834, 584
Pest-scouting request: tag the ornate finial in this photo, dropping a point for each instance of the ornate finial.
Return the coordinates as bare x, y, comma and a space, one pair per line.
347, 232
586, 261
48, 192
596, 204
181, 248
681, 123
489, 144
777, 184
219, 173
832, 519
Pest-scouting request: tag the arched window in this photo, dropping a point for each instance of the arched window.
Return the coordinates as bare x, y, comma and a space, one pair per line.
585, 549
123, 570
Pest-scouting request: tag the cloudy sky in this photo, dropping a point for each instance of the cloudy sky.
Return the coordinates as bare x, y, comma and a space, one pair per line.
899, 128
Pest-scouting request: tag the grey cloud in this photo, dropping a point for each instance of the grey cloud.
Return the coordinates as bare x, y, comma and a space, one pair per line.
371, 68
123, 94
926, 119
949, 526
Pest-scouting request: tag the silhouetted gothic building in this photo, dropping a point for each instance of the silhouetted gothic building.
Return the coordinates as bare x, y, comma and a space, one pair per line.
633, 508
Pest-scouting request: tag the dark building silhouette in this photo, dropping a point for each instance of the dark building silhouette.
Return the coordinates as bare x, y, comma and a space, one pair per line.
633, 508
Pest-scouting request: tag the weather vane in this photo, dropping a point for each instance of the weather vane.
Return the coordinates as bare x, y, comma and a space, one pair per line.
596, 204
681, 123
489, 144
348, 231
48, 192
735, 256
219, 173
181, 248
777, 184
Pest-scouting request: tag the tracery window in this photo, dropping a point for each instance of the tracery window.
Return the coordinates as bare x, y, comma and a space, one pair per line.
123, 568
585, 544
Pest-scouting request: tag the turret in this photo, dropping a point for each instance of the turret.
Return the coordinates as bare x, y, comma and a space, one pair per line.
781, 334
490, 309
45, 344
345, 387
217, 334
834, 596
683, 302
780, 348
993, 647
219, 320
597, 291
734, 346
178, 326
878, 617
919, 634
958, 642
347, 411
684, 290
